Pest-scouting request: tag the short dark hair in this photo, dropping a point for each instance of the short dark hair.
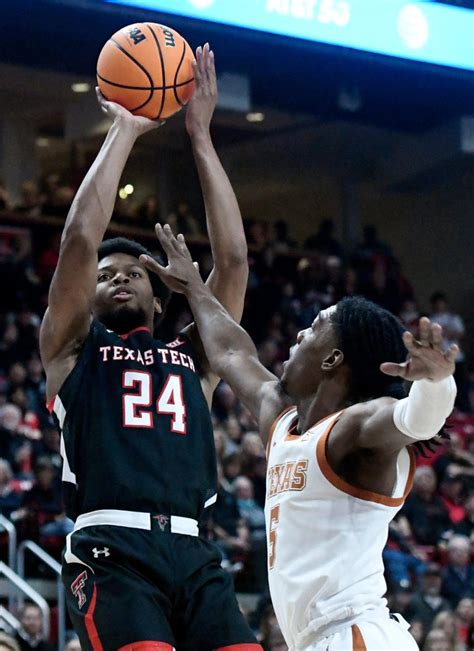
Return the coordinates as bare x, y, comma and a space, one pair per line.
130, 247
368, 336
438, 296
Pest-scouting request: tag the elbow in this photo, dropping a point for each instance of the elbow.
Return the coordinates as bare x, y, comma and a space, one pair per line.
235, 262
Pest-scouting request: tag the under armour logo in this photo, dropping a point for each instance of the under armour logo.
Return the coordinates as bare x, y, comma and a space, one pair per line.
77, 588
162, 521
98, 552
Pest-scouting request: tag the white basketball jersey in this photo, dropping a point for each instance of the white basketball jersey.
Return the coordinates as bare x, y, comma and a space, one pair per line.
325, 537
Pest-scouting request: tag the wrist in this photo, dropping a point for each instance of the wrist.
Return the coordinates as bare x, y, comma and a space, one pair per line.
125, 127
196, 290
200, 134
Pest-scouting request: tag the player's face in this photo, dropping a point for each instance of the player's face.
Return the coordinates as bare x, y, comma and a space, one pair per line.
303, 371
124, 295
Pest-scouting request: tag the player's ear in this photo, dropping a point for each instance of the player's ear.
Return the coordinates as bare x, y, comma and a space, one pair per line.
333, 360
157, 305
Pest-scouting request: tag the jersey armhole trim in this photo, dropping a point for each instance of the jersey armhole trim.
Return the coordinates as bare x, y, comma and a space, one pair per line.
360, 493
274, 426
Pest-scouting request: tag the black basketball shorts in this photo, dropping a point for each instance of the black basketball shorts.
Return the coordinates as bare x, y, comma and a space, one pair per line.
135, 585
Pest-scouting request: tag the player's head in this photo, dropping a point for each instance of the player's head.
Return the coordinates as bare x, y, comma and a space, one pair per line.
127, 296
346, 344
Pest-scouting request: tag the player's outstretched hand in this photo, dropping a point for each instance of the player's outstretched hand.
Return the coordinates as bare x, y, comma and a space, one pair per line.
203, 102
426, 358
116, 112
182, 273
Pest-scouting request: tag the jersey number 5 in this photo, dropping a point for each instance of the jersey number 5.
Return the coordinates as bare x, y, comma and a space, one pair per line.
274, 520
170, 401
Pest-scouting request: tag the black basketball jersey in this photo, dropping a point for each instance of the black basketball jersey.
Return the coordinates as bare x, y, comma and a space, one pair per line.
136, 432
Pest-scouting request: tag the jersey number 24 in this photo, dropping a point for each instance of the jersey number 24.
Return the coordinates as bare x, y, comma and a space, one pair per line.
170, 401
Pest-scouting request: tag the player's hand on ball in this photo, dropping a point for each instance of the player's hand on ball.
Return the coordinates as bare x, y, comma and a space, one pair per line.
116, 113
181, 273
426, 357
203, 102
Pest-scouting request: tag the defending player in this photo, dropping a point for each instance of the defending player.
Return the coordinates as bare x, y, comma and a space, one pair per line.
139, 462
340, 461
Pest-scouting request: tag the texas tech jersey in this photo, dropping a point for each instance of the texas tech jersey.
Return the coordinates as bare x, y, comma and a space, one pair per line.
136, 433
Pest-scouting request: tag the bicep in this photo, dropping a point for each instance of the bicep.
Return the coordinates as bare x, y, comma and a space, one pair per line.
70, 298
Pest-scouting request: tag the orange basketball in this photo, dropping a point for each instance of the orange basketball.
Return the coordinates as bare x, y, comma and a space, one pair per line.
147, 68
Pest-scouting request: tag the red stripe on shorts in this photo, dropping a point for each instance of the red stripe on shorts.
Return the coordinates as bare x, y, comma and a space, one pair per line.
90, 624
147, 646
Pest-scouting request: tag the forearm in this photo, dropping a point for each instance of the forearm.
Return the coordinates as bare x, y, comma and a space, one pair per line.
93, 205
224, 221
221, 336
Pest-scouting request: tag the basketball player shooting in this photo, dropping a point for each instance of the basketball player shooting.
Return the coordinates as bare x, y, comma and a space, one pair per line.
340, 436
139, 471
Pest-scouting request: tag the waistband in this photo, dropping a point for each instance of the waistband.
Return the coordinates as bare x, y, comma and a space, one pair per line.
137, 520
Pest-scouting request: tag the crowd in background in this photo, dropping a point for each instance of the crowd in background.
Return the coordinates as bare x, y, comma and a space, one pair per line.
429, 553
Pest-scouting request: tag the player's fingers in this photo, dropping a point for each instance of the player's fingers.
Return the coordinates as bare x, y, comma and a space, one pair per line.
183, 247
452, 353
196, 264
164, 239
396, 370
152, 265
437, 336
171, 237
425, 331
411, 344
212, 73
205, 66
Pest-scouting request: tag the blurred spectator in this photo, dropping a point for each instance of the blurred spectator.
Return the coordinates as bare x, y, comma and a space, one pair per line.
276, 640
464, 618
42, 505
446, 622
404, 563
183, 221
5, 200
453, 332
458, 576
424, 509
31, 199
230, 531
30, 636
324, 241
10, 491
427, 603
417, 631
436, 641
281, 241
466, 526
149, 212
254, 517
410, 315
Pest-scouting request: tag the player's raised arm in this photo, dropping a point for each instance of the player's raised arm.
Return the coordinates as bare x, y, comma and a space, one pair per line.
67, 319
228, 279
229, 349
388, 425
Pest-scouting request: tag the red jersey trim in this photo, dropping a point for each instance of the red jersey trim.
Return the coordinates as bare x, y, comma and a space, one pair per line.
132, 332
50, 404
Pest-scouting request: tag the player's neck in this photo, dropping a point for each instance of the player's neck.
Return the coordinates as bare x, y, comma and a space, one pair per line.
330, 398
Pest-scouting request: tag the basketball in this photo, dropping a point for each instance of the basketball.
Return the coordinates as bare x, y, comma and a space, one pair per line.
147, 68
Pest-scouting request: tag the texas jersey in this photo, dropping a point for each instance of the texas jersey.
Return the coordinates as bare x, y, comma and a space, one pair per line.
136, 433
325, 537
